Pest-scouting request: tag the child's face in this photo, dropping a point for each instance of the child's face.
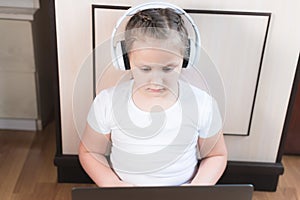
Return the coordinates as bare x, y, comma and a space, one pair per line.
155, 68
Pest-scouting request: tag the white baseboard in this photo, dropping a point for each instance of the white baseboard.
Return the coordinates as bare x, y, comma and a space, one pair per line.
19, 124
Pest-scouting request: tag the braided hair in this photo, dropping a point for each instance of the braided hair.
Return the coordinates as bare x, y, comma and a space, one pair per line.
156, 23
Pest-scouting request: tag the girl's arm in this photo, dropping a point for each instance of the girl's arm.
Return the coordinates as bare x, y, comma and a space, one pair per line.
214, 160
92, 149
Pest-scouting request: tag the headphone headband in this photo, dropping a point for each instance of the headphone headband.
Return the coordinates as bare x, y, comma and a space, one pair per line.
133, 10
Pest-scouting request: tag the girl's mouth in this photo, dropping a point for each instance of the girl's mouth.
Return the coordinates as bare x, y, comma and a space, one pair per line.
156, 90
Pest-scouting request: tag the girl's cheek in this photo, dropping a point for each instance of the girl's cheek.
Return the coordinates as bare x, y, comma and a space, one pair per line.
172, 77
139, 78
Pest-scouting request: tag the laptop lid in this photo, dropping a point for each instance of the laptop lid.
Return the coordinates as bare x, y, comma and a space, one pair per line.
224, 192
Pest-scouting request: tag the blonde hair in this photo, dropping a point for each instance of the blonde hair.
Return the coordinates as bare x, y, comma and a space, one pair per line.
157, 23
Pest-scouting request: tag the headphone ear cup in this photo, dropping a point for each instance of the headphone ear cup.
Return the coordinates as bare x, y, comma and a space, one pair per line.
122, 60
118, 61
125, 56
185, 63
187, 55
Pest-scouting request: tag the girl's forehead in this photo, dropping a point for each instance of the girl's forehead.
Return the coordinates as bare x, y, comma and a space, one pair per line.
155, 57
169, 45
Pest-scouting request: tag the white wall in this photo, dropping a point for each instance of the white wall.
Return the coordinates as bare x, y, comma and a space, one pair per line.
74, 39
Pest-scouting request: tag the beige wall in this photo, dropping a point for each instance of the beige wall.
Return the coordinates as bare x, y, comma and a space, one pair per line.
74, 39
25, 75
20, 3
18, 98
17, 68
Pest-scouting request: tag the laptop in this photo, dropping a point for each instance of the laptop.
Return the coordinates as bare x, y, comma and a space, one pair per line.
222, 192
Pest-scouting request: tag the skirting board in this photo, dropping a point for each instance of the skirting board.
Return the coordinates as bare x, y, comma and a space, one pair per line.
20, 124
264, 176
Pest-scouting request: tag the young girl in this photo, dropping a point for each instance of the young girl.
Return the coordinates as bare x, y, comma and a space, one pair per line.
155, 122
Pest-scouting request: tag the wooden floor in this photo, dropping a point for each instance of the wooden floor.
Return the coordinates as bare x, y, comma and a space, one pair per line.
27, 170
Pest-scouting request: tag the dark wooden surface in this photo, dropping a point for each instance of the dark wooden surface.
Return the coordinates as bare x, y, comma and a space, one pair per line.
292, 142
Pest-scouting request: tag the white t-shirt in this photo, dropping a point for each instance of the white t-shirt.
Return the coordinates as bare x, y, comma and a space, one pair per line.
158, 148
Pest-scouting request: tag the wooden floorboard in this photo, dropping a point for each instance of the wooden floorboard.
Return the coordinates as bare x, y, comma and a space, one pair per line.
14, 148
27, 170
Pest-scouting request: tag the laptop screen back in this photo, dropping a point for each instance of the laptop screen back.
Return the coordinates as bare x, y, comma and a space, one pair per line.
222, 192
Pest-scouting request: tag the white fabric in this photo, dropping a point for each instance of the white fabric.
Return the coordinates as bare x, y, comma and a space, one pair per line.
166, 157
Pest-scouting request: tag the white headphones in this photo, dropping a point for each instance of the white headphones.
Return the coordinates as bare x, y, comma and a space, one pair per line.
120, 59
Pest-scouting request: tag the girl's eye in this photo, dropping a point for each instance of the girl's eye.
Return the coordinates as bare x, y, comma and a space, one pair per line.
167, 69
145, 69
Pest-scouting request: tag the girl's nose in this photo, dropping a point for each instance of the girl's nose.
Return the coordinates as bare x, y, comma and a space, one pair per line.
156, 78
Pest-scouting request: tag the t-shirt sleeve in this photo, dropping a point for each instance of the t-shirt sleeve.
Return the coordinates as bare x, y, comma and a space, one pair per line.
210, 120
99, 113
